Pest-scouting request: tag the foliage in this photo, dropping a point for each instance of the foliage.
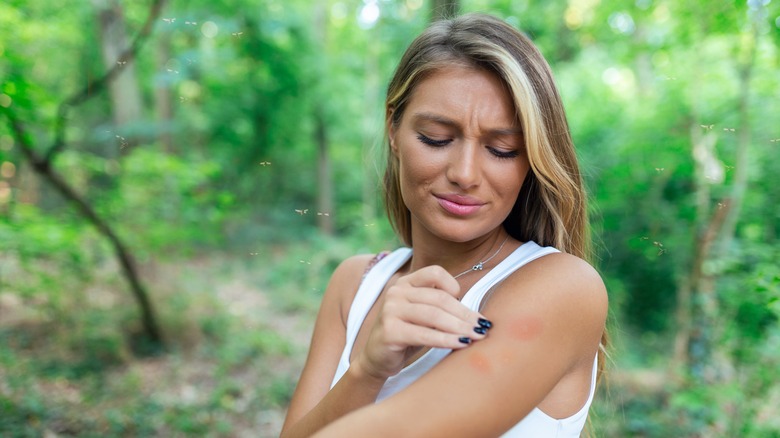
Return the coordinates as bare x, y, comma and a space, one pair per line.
237, 178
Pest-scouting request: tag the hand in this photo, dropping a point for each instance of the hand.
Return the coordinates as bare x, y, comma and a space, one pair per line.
419, 310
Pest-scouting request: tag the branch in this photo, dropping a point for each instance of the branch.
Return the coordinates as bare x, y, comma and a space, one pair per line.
23, 139
92, 89
43, 167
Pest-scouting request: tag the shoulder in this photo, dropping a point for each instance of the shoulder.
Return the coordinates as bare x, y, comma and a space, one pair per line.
354, 266
565, 293
350, 272
559, 276
346, 280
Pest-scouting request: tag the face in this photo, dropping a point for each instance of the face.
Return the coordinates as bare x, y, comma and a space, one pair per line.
461, 155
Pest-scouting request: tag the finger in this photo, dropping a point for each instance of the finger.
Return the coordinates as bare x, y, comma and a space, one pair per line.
432, 317
436, 298
434, 277
414, 335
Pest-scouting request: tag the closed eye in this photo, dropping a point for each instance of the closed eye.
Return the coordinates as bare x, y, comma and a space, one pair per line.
503, 154
431, 142
499, 153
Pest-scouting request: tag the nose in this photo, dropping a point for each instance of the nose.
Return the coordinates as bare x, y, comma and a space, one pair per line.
463, 169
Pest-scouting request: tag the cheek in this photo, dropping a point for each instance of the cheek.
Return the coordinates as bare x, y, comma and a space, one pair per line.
416, 171
510, 182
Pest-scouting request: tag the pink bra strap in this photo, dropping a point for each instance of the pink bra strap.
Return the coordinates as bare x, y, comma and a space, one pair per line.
374, 261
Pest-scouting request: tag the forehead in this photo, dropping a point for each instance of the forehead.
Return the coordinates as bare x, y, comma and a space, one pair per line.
464, 93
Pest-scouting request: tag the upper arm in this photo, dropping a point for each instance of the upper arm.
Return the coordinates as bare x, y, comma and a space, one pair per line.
547, 318
328, 338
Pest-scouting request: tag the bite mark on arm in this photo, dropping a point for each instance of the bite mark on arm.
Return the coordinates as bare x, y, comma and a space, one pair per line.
480, 362
525, 328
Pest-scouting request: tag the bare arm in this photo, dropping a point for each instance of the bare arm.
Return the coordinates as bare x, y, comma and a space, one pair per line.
420, 309
327, 343
548, 318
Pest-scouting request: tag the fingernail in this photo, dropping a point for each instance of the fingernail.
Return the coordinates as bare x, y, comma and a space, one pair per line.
484, 323
464, 340
480, 330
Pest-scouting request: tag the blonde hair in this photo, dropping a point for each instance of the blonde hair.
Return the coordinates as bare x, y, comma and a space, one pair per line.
551, 207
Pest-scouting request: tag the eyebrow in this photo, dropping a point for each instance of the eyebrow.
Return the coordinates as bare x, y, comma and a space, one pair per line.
442, 120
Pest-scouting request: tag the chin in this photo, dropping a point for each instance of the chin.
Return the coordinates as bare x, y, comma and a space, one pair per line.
461, 233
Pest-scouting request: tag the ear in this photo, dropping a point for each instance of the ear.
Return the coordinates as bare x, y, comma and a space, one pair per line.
390, 128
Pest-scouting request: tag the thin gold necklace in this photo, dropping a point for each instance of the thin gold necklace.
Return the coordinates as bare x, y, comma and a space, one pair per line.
479, 266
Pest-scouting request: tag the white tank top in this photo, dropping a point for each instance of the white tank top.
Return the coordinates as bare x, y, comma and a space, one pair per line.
536, 424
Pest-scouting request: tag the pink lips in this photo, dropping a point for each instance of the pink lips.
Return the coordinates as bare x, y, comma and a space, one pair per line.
459, 205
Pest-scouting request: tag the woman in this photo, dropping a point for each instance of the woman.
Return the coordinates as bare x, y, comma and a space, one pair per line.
490, 323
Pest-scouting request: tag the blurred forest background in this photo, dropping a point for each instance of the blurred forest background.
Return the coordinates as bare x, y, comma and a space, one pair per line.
179, 178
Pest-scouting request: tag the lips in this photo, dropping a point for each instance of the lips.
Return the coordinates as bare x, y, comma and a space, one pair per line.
459, 205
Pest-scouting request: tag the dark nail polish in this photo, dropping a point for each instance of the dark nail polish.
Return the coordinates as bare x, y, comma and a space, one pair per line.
480, 330
464, 340
484, 323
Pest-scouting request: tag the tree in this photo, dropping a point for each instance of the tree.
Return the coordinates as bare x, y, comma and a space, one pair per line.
125, 94
43, 165
325, 202
698, 344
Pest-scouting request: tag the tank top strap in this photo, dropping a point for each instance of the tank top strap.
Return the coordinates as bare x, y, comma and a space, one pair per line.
525, 253
373, 282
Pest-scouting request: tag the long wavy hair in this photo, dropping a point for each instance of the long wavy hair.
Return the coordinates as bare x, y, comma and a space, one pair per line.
551, 206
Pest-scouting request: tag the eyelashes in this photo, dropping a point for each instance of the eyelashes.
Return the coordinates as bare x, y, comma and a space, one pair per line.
503, 154
431, 142
498, 153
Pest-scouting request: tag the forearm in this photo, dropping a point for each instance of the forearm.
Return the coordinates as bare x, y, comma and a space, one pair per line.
353, 391
373, 421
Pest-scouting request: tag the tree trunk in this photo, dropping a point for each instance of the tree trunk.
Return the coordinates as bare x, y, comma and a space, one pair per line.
162, 95
708, 360
705, 362
324, 178
123, 90
739, 185
643, 64
373, 105
149, 322
444, 9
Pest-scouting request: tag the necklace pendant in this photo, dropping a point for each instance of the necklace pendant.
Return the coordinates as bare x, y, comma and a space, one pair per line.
479, 266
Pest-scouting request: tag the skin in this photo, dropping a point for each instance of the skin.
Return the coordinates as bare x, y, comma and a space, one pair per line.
548, 316
478, 124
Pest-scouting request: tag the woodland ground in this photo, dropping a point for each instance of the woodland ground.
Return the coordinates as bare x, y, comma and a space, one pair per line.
235, 352
237, 341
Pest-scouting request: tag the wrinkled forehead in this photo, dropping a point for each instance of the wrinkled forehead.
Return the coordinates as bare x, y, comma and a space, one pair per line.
463, 96
397, 104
